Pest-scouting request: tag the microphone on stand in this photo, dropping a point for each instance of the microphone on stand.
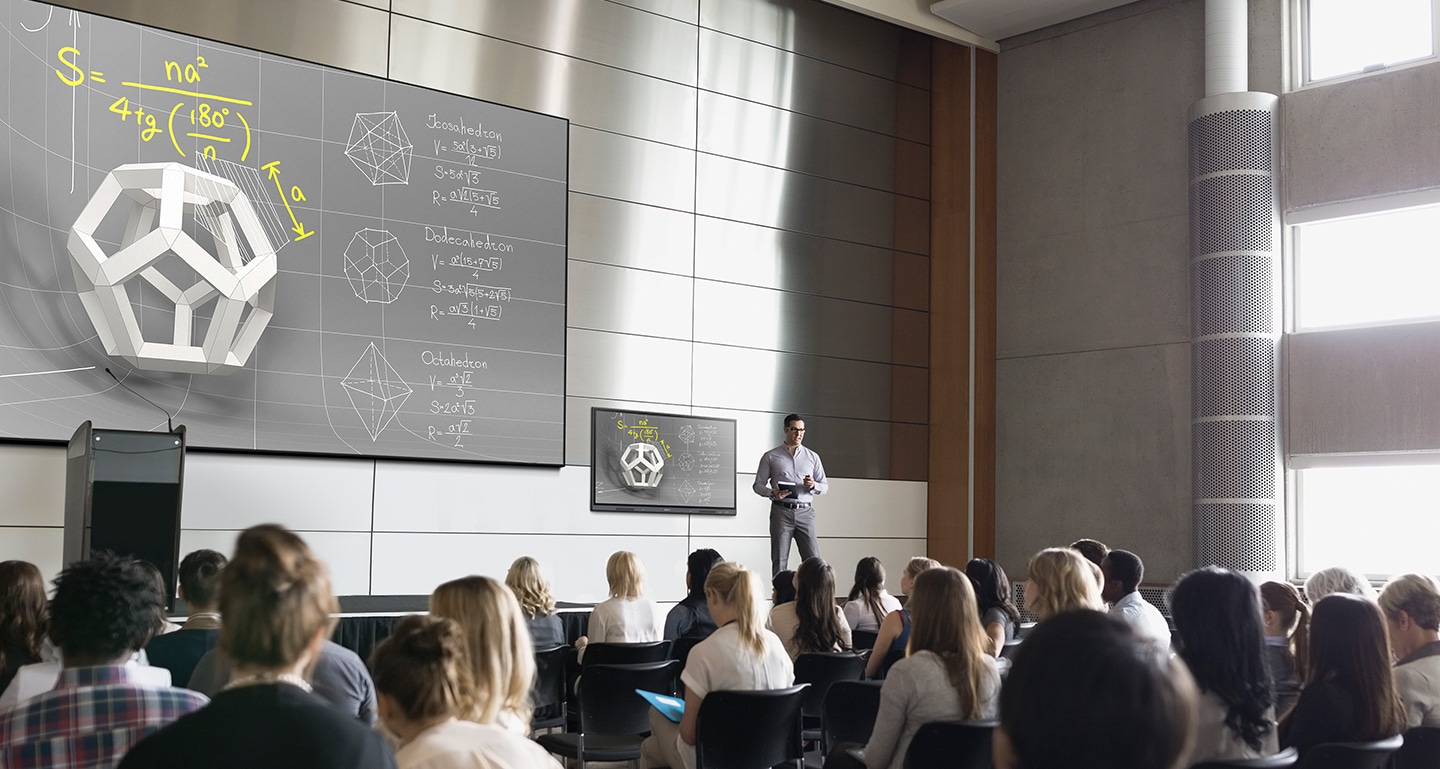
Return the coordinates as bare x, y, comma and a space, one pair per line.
169, 421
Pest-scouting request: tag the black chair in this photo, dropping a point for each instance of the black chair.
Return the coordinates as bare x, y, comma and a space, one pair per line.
848, 713
821, 670
625, 654
1012, 646
680, 649
613, 718
1350, 755
1421, 749
891, 657
547, 696
750, 730
1282, 760
944, 745
1024, 629
863, 639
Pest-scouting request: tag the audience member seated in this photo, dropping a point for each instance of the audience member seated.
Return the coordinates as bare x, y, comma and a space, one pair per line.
1287, 640
532, 590
1085, 691
998, 614
1411, 604
1350, 694
812, 622
691, 617
1123, 571
740, 656
948, 675
1337, 579
497, 643
23, 618
181, 650
895, 630
1061, 580
869, 602
1093, 550
162, 625
627, 616
103, 610
1217, 617
338, 677
782, 587
424, 684
277, 603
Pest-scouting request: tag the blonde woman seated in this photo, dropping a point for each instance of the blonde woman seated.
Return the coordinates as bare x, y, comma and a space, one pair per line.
497, 649
533, 592
627, 616
895, 630
425, 686
812, 622
948, 675
739, 656
1061, 580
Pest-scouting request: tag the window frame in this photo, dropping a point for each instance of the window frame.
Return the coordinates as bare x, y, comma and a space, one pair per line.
1300, 51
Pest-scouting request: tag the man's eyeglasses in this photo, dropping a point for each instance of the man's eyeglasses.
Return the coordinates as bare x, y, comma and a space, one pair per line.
794, 429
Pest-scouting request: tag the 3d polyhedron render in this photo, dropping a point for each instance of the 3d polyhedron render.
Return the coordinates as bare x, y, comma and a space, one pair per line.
162, 198
641, 466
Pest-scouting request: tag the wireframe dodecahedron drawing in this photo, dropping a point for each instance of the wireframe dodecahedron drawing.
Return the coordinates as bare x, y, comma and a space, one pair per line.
376, 390
641, 466
379, 147
376, 266
155, 251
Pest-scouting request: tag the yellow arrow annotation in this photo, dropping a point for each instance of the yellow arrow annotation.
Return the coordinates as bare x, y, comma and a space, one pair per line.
299, 229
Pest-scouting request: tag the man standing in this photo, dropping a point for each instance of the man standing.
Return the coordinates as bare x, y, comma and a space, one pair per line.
1123, 571
789, 475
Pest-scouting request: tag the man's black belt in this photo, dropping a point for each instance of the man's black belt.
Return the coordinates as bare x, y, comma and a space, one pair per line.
789, 504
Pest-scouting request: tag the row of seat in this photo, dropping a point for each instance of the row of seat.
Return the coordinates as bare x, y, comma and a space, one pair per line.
1418, 748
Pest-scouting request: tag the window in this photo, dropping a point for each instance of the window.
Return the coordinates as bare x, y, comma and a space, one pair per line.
1377, 520
1367, 270
1349, 37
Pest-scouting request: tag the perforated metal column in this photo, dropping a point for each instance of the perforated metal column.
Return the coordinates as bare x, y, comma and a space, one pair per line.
1235, 319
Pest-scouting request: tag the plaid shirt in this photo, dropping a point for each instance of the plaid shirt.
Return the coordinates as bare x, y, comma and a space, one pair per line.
89, 720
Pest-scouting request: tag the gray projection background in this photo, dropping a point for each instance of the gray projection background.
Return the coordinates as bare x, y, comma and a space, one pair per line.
455, 351
698, 475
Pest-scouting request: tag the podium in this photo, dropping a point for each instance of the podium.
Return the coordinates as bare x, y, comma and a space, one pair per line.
122, 494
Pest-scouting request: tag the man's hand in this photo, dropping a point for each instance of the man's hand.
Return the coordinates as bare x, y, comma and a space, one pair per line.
780, 493
809, 482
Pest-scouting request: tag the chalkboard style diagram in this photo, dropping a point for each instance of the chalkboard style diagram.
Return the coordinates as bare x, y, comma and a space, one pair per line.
380, 149
230, 294
285, 257
662, 463
376, 266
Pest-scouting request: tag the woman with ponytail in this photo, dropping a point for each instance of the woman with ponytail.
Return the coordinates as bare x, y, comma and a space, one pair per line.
1287, 640
812, 622
741, 655
869, 602
425, 689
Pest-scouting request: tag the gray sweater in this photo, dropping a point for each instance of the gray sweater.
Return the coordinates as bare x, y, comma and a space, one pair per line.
917, 691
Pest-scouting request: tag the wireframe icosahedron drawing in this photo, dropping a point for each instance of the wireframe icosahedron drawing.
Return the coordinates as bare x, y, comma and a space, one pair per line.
379, 147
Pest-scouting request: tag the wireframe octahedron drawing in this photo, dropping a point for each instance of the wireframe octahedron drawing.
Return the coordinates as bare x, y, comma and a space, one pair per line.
379, 147
642, 466
229, 297
376, 390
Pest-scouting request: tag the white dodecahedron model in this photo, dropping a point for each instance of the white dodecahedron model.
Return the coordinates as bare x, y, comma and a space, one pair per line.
641, 466
162, 197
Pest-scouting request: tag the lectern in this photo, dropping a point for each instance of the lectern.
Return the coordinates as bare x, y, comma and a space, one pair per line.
122, 494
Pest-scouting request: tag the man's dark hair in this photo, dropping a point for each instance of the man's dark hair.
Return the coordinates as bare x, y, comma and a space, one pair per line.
104, 608
699, 568
793, 418
1093, 550
1126, 567
200, 577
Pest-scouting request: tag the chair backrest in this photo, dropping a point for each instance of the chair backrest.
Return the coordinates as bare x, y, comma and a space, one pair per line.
749, 729
680, 649
863, 639
822, 670
1350, 755
1421, 749
549, 688
1282, 760
625, 654
891, 657
1010, 648
948, 745
848, 713
608, 702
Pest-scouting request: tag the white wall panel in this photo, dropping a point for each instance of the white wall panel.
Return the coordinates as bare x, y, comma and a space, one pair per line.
413, 564
237, 491
752, 552
44, 547
843, 553
855, 508
346, 554
32, 485
623, 367
435, 497
622, 300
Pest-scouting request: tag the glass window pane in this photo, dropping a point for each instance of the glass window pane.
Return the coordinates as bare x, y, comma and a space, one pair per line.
1375, 520
1370, 269
1346, 36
